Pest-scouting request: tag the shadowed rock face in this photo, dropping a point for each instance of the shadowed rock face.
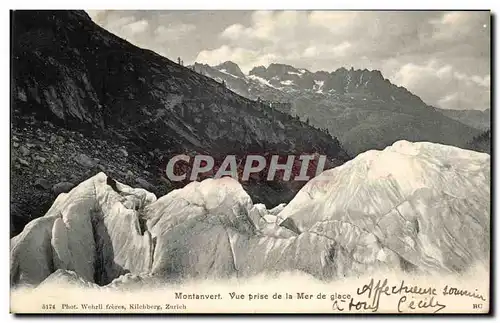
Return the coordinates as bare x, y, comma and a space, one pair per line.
475, 118
481, 142
78, 89
413, 207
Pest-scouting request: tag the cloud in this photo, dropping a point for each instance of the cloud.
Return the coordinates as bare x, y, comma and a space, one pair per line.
444, 87
338, 23
176, 32
409, 48
459, 24
338, 50
444, 57
150, 32
342, 49
233, 32
137, 27
235, 54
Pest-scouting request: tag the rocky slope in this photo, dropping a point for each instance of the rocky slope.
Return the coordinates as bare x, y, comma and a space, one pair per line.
477, 119
482, 142
360, 107
78, 89
413, 207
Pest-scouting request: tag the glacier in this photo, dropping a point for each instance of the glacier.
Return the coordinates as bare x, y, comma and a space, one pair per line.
412, 207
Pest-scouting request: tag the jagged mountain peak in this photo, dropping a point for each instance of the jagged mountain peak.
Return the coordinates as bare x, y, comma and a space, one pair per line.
348, 97
340, 81
277, 70
373, 73
257, 70
281, 66
231, 68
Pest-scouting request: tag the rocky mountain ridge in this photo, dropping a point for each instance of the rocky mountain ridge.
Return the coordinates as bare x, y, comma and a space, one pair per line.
475, 118
360, 107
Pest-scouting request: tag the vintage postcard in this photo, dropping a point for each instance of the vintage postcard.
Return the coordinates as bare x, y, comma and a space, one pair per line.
333, 162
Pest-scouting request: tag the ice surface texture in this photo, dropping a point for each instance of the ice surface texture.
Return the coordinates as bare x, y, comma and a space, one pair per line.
415, 207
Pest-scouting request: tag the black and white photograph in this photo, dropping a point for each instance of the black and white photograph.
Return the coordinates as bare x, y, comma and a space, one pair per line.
250, 161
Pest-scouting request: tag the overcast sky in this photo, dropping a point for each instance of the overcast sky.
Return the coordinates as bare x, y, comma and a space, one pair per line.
444, 57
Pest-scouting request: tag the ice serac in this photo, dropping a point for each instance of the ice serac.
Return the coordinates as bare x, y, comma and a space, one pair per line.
93, 231
428, 204
191, 226
417, 207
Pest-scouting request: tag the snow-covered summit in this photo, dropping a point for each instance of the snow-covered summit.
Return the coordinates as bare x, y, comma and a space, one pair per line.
230, 68
360, 107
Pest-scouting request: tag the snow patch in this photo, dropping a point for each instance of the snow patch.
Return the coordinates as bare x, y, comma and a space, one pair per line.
261, 80
227, 73
318, 86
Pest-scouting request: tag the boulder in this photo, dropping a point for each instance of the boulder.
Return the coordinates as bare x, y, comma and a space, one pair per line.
42, 183
123, 152
85, 160
62, 187
24, 151
39, 159
23, 162
144, 184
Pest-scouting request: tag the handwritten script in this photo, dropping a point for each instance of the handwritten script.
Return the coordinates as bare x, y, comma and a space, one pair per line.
374, 291
411, 298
